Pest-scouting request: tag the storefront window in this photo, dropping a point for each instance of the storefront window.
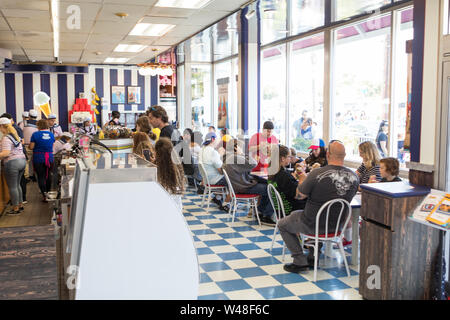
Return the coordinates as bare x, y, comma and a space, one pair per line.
306, 91
361, 82
200, 46
348, 8
307, 15
402, 83
273, 20
180, 53
201, 97
273, 89
225, 38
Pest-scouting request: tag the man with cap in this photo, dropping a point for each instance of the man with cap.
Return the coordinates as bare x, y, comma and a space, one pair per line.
54, 127
317, 156
63, 143
212, 162
25, 117
28, 130
260, 145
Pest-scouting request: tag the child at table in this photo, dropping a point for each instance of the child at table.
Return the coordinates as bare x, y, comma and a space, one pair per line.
389, 171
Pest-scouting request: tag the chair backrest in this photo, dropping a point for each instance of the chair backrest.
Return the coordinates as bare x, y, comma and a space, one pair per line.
344, 203
278, 206
203, 174
230, 186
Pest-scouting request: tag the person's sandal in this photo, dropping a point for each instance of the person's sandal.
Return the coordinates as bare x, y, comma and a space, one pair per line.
12, 212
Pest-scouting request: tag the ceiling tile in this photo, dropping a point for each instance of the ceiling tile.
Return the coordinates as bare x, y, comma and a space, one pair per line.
25, 24
134, 2
170, 12
108, 39
34, 36
138, 40
74, 37
183, 31
22, 13
9, 44
4, 25
113, 28
167, 41
7, 35
71, 45
25, 4
36, 45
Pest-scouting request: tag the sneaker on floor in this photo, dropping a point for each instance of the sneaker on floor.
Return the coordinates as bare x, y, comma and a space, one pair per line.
290, 267
216, 201
25, 202
267, 221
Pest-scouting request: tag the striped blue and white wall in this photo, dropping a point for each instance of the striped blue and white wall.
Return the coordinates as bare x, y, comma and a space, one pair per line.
17, 89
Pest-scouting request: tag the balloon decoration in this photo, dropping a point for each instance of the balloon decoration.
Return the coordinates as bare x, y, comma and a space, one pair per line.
94, 100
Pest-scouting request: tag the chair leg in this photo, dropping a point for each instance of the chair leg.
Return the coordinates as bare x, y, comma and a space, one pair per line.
316, 258
341, 249
274, 235
204, 195
209, 200
255, 205
234, 210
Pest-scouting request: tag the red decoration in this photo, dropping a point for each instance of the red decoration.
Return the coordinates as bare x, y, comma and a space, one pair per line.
81, 105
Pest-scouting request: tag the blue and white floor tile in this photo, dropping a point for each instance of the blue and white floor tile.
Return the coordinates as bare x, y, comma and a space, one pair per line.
236, 262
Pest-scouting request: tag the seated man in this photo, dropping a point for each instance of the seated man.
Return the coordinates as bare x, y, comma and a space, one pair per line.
324, 184
239, 167
211, 161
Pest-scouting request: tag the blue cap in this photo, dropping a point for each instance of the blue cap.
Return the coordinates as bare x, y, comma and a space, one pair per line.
209, 138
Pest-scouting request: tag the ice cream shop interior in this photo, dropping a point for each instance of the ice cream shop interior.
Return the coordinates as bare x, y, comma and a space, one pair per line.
224, 150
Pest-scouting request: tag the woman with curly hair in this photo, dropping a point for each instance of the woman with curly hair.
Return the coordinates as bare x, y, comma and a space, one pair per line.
143, 147
170, 169
143, 125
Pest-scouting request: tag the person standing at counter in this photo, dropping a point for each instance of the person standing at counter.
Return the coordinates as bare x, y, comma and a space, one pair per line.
143, 125
54, 127
25, 117
41, 143
260, 144
14, 162
88, 128
63, 143
159, 119
28, 130
115, 119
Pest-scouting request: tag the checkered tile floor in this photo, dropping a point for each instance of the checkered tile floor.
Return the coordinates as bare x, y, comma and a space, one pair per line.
236, 262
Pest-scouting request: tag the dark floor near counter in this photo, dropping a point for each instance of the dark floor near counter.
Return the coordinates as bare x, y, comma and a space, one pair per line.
36, 213
28, 263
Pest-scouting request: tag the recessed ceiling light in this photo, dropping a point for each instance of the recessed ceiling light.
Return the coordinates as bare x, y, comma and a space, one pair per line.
185, 4
151, 30
129, 48
116, 60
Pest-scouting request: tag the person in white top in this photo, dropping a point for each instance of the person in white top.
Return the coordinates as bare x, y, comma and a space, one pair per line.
30, 127
63, 143
54, 127
25, 117
88, 128
212, 162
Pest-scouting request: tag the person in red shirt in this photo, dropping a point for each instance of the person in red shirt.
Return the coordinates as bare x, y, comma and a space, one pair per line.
259, 146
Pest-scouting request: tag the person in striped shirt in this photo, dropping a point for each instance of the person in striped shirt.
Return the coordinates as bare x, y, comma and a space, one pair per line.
371, 162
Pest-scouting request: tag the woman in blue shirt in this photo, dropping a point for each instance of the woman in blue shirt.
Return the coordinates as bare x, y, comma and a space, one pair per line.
41, 143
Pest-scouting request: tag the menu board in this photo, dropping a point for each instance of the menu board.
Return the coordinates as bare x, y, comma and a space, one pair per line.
434, 208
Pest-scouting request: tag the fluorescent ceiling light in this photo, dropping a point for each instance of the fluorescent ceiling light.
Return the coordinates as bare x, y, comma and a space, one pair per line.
151, 30
185, 4
129, 48
116, 60
55, 24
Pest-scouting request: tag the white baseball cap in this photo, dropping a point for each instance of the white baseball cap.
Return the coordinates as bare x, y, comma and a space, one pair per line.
25, 114
5, 121
52, 116
33, 113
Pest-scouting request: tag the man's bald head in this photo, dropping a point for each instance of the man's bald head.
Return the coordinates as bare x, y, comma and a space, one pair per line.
336, 152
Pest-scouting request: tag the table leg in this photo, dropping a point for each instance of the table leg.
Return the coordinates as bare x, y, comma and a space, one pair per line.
355, 236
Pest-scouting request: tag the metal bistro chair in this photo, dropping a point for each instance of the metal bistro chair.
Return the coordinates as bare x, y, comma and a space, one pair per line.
336, 237
209, 188
249, 199
278, 207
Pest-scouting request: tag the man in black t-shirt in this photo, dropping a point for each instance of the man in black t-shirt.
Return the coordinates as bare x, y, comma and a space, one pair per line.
333, 181
159, 119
